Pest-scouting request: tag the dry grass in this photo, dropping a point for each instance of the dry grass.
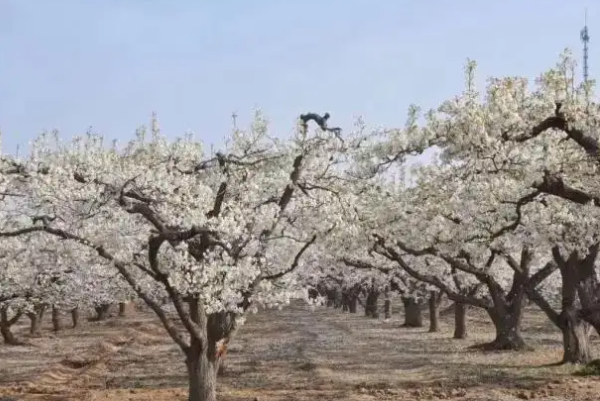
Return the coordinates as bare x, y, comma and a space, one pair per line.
295, 354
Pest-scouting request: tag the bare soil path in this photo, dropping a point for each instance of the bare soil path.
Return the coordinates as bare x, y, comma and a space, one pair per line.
295, 354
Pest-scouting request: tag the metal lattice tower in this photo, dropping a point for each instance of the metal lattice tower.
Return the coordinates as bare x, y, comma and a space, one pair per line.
585, 38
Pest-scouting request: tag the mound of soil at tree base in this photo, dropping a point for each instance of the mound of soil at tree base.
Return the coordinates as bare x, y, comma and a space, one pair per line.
147, 335
75, 374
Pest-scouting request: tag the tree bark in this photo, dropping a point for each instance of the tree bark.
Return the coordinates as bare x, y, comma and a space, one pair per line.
75, 317
371, 309
353, 303
56, 319
434, 311
345, 301
35, 319
5, 327
387, 309
202, 368
575, 272
576, 335
460, 321
101, 312
508, 331
413, 317
122, 309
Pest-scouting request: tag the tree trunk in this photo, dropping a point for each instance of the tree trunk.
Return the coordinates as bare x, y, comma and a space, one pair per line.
75, 317
122, 309
413, 316
434, 311
5, 325
576, 338
36, 318
345, 302
460, 321
508, 331
56, 319
387, 309
371, 309
202, 369
353, 303
331, 298
338, 302
102, 312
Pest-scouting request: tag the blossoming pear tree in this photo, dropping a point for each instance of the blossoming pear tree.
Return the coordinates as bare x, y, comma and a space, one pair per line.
220, 232
546, 138
518, 145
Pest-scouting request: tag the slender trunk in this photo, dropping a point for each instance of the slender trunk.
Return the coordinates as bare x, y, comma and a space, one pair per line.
75, 317
5, 327
576, 337
460, 321
56, 319
371, 309
508, 330
202, 369
434, 311
387, 308
101, 312
122, 309
413, 317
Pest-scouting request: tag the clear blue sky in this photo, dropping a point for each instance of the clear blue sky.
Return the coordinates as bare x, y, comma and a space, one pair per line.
71, 64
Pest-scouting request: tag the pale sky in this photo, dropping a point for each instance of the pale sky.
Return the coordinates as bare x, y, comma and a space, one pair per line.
71, 64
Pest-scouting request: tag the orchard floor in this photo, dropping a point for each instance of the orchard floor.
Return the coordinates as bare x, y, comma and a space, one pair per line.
294, 354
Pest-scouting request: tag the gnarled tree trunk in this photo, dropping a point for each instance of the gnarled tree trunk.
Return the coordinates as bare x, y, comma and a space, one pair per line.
576, 338
508, 330
575, 272
5, 327
413, 317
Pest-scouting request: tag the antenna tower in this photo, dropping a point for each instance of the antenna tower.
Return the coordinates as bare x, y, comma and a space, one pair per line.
585, 38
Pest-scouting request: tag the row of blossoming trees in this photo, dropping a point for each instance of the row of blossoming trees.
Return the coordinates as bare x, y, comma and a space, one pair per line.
508, 212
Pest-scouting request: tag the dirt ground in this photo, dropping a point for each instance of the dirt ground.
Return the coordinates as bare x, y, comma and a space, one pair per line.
294, 354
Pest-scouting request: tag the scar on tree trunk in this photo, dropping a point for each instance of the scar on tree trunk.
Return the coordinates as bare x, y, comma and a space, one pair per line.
5, 327
576, 338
